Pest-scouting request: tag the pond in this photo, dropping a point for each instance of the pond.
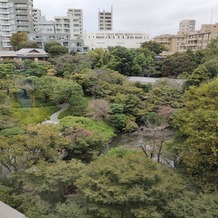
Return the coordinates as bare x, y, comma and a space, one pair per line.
149, 140
140, 137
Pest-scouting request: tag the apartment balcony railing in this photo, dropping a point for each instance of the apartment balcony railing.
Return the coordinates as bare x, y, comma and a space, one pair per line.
5, 28
3, 18
21, 6
22, 22
2, 5
21, 12
21, 17
4, 12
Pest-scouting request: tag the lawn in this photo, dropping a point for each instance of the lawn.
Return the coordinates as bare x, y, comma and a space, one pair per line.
34, 115
98, 127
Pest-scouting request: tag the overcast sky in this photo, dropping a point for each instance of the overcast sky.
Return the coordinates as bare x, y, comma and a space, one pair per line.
154, 17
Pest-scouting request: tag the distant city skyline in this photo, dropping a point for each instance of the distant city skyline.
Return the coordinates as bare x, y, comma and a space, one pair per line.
153, 17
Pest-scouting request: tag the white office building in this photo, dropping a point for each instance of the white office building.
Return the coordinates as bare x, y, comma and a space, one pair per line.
106, 39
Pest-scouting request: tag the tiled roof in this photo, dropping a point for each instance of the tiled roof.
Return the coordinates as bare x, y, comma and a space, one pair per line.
25, 52
8, 54
31, 50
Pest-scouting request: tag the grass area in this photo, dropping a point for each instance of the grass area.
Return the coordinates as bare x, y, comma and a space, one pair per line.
34, 115
98, 127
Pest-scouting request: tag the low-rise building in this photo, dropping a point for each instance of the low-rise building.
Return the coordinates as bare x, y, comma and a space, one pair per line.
164, 39
75, 45
34, 54
106, 39
193, 40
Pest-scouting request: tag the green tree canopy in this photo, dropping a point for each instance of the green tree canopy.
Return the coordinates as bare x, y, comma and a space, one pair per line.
200, 74
48, 45
128, 186
155, 47
178, 63
197, 122
28, 44
17, 39
57, 50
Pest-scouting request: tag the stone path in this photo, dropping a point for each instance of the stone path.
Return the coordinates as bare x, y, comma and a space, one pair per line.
54, 117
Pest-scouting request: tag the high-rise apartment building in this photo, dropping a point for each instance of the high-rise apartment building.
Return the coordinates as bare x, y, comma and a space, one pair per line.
36, 18
71, 24
5, 24
15, 16
105, 20
41, 24
21, 15
186, 26
76, 23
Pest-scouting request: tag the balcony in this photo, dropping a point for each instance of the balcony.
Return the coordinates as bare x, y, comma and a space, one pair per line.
6, 28
21, 18
4, 12
21, 11
3, 5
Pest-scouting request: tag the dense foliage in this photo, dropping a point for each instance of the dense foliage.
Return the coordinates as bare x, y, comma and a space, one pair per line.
68, 169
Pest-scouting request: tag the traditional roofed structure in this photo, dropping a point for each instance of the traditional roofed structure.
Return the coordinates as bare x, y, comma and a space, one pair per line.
7, 54
33, 53
8, 212
25, 53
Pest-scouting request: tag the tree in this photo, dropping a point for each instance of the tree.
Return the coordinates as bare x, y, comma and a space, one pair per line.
139, 62
57, 50
54, 182
48, 45
176, 64
28, 44
74, 207
67, 65
97, 57
68, 91
7, 73
155, 47
6, 70
196, 143
88, 137
78, 104
46, 86
128, 186
36, 144
17, 39
98, 109
212, 66
200, 74
212, 48
164, 95
7, 120
192, 204
121, 60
